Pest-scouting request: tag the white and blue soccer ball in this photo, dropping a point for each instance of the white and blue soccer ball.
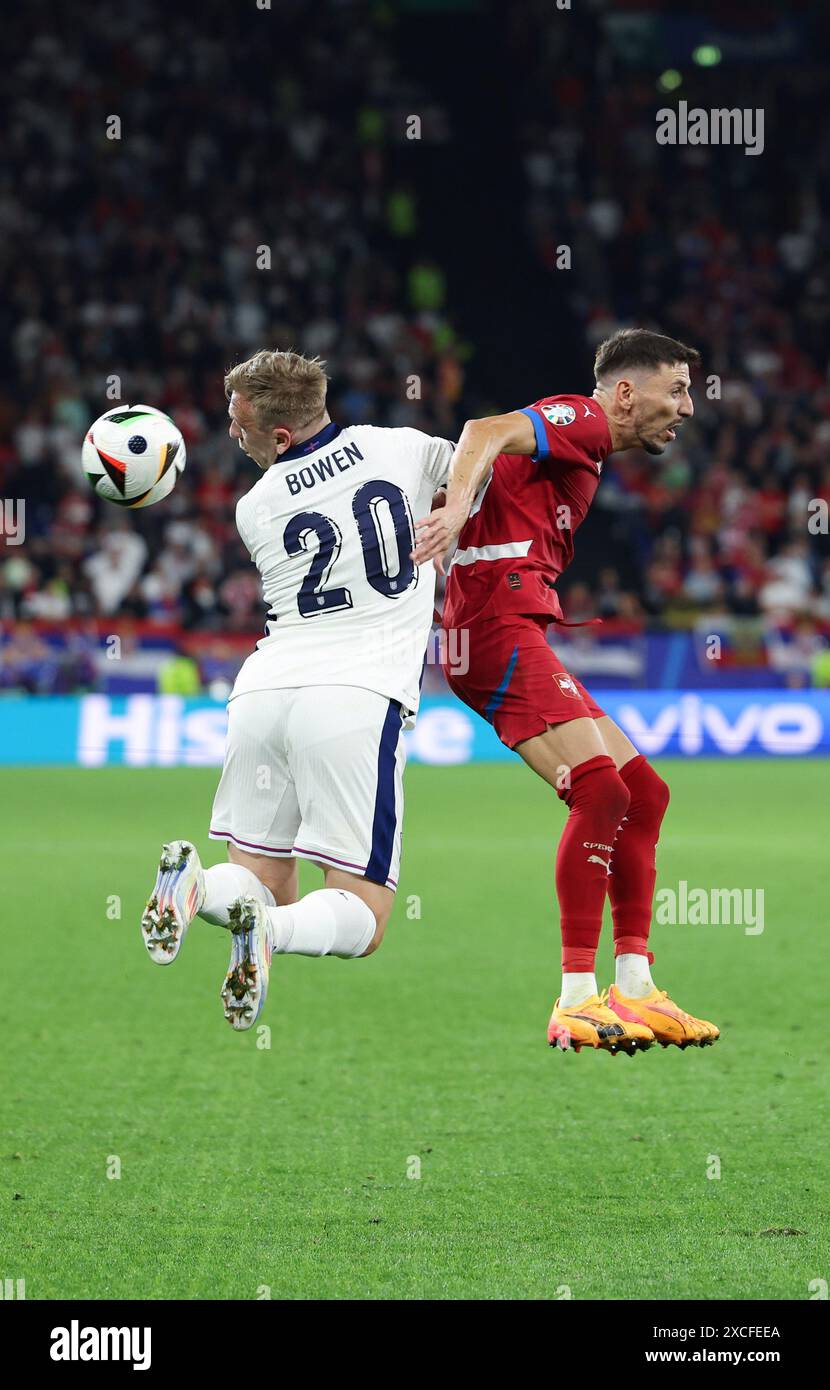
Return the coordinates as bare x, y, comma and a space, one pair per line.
132, 455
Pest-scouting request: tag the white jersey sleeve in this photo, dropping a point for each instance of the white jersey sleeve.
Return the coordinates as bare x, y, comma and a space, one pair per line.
437, 456
330, 526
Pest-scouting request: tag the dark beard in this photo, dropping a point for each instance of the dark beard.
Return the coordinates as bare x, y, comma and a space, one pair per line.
654, 449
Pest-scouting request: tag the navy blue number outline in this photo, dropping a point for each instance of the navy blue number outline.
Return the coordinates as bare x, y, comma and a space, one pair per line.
365, 512
312, 590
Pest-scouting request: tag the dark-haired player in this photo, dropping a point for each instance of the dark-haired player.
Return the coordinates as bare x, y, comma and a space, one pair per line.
520, 485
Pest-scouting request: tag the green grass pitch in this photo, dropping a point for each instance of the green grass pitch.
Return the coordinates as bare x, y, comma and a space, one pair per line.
295, 1167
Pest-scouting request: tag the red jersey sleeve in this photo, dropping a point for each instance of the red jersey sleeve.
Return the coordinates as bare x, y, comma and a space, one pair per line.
572, 429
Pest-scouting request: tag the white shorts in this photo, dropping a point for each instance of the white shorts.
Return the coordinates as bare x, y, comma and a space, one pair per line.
315, 771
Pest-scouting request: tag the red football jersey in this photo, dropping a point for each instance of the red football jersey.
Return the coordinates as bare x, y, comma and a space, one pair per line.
518, 538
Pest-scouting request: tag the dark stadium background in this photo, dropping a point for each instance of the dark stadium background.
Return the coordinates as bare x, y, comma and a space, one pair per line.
392, 257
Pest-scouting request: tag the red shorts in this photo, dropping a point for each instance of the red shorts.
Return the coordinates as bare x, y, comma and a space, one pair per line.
515, 680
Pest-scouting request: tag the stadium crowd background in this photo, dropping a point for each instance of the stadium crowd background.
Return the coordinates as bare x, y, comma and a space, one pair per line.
136, 259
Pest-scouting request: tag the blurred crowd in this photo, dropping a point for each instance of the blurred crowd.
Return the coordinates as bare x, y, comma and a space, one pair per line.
136, 269
151, 276
726, 251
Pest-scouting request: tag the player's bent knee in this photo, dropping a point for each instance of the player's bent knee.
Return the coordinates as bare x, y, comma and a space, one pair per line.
658, 792
279, 875
377, 898
607, 788
382, 912
661, 792
596, 785
380, 932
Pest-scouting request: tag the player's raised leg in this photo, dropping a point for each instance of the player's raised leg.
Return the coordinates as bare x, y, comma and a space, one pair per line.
517, 683
634, 995
345, 760
572, 758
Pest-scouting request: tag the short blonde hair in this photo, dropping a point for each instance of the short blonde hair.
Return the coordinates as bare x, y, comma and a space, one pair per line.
284, 388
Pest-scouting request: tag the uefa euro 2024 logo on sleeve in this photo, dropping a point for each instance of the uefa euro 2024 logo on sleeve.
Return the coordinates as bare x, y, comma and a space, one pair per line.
559, 414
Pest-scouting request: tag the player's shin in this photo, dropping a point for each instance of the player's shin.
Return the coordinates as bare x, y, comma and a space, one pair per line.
597, 801
328, 922
224, 884
631, 886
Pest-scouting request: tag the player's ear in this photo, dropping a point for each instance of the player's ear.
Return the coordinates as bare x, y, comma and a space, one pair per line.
624, 393
282, 438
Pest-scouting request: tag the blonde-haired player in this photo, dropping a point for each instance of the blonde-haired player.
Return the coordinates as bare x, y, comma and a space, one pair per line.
314, 757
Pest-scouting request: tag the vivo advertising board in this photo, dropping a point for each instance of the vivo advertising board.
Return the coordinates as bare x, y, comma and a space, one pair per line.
169, 731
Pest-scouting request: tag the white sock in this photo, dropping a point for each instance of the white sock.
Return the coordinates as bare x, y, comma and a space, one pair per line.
633, 977
224, 883
577, 986
329, 922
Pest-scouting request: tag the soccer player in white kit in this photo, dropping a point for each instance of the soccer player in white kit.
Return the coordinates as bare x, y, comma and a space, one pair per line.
314, 756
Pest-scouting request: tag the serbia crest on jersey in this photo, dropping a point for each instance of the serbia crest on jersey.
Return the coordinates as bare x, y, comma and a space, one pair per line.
330, 527
518, 538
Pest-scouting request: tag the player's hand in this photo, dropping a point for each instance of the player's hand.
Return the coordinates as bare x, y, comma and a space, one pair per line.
437, 532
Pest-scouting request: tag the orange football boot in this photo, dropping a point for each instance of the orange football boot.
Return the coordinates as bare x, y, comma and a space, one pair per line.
592, 1024
668, 1022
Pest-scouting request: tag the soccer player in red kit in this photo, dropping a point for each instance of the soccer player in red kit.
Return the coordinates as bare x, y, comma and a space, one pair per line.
519, 487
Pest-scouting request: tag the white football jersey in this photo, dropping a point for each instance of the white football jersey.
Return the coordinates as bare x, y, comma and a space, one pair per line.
330, 527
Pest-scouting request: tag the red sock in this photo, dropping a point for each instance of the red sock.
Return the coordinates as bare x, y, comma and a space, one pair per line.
631, 885
597, 800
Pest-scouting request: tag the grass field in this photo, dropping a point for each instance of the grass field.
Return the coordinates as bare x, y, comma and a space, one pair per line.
293, 1166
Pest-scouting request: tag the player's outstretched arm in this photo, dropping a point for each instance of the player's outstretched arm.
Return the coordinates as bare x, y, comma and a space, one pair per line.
480, 444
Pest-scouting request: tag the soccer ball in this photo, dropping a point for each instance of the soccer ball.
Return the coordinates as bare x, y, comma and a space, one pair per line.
133, 455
